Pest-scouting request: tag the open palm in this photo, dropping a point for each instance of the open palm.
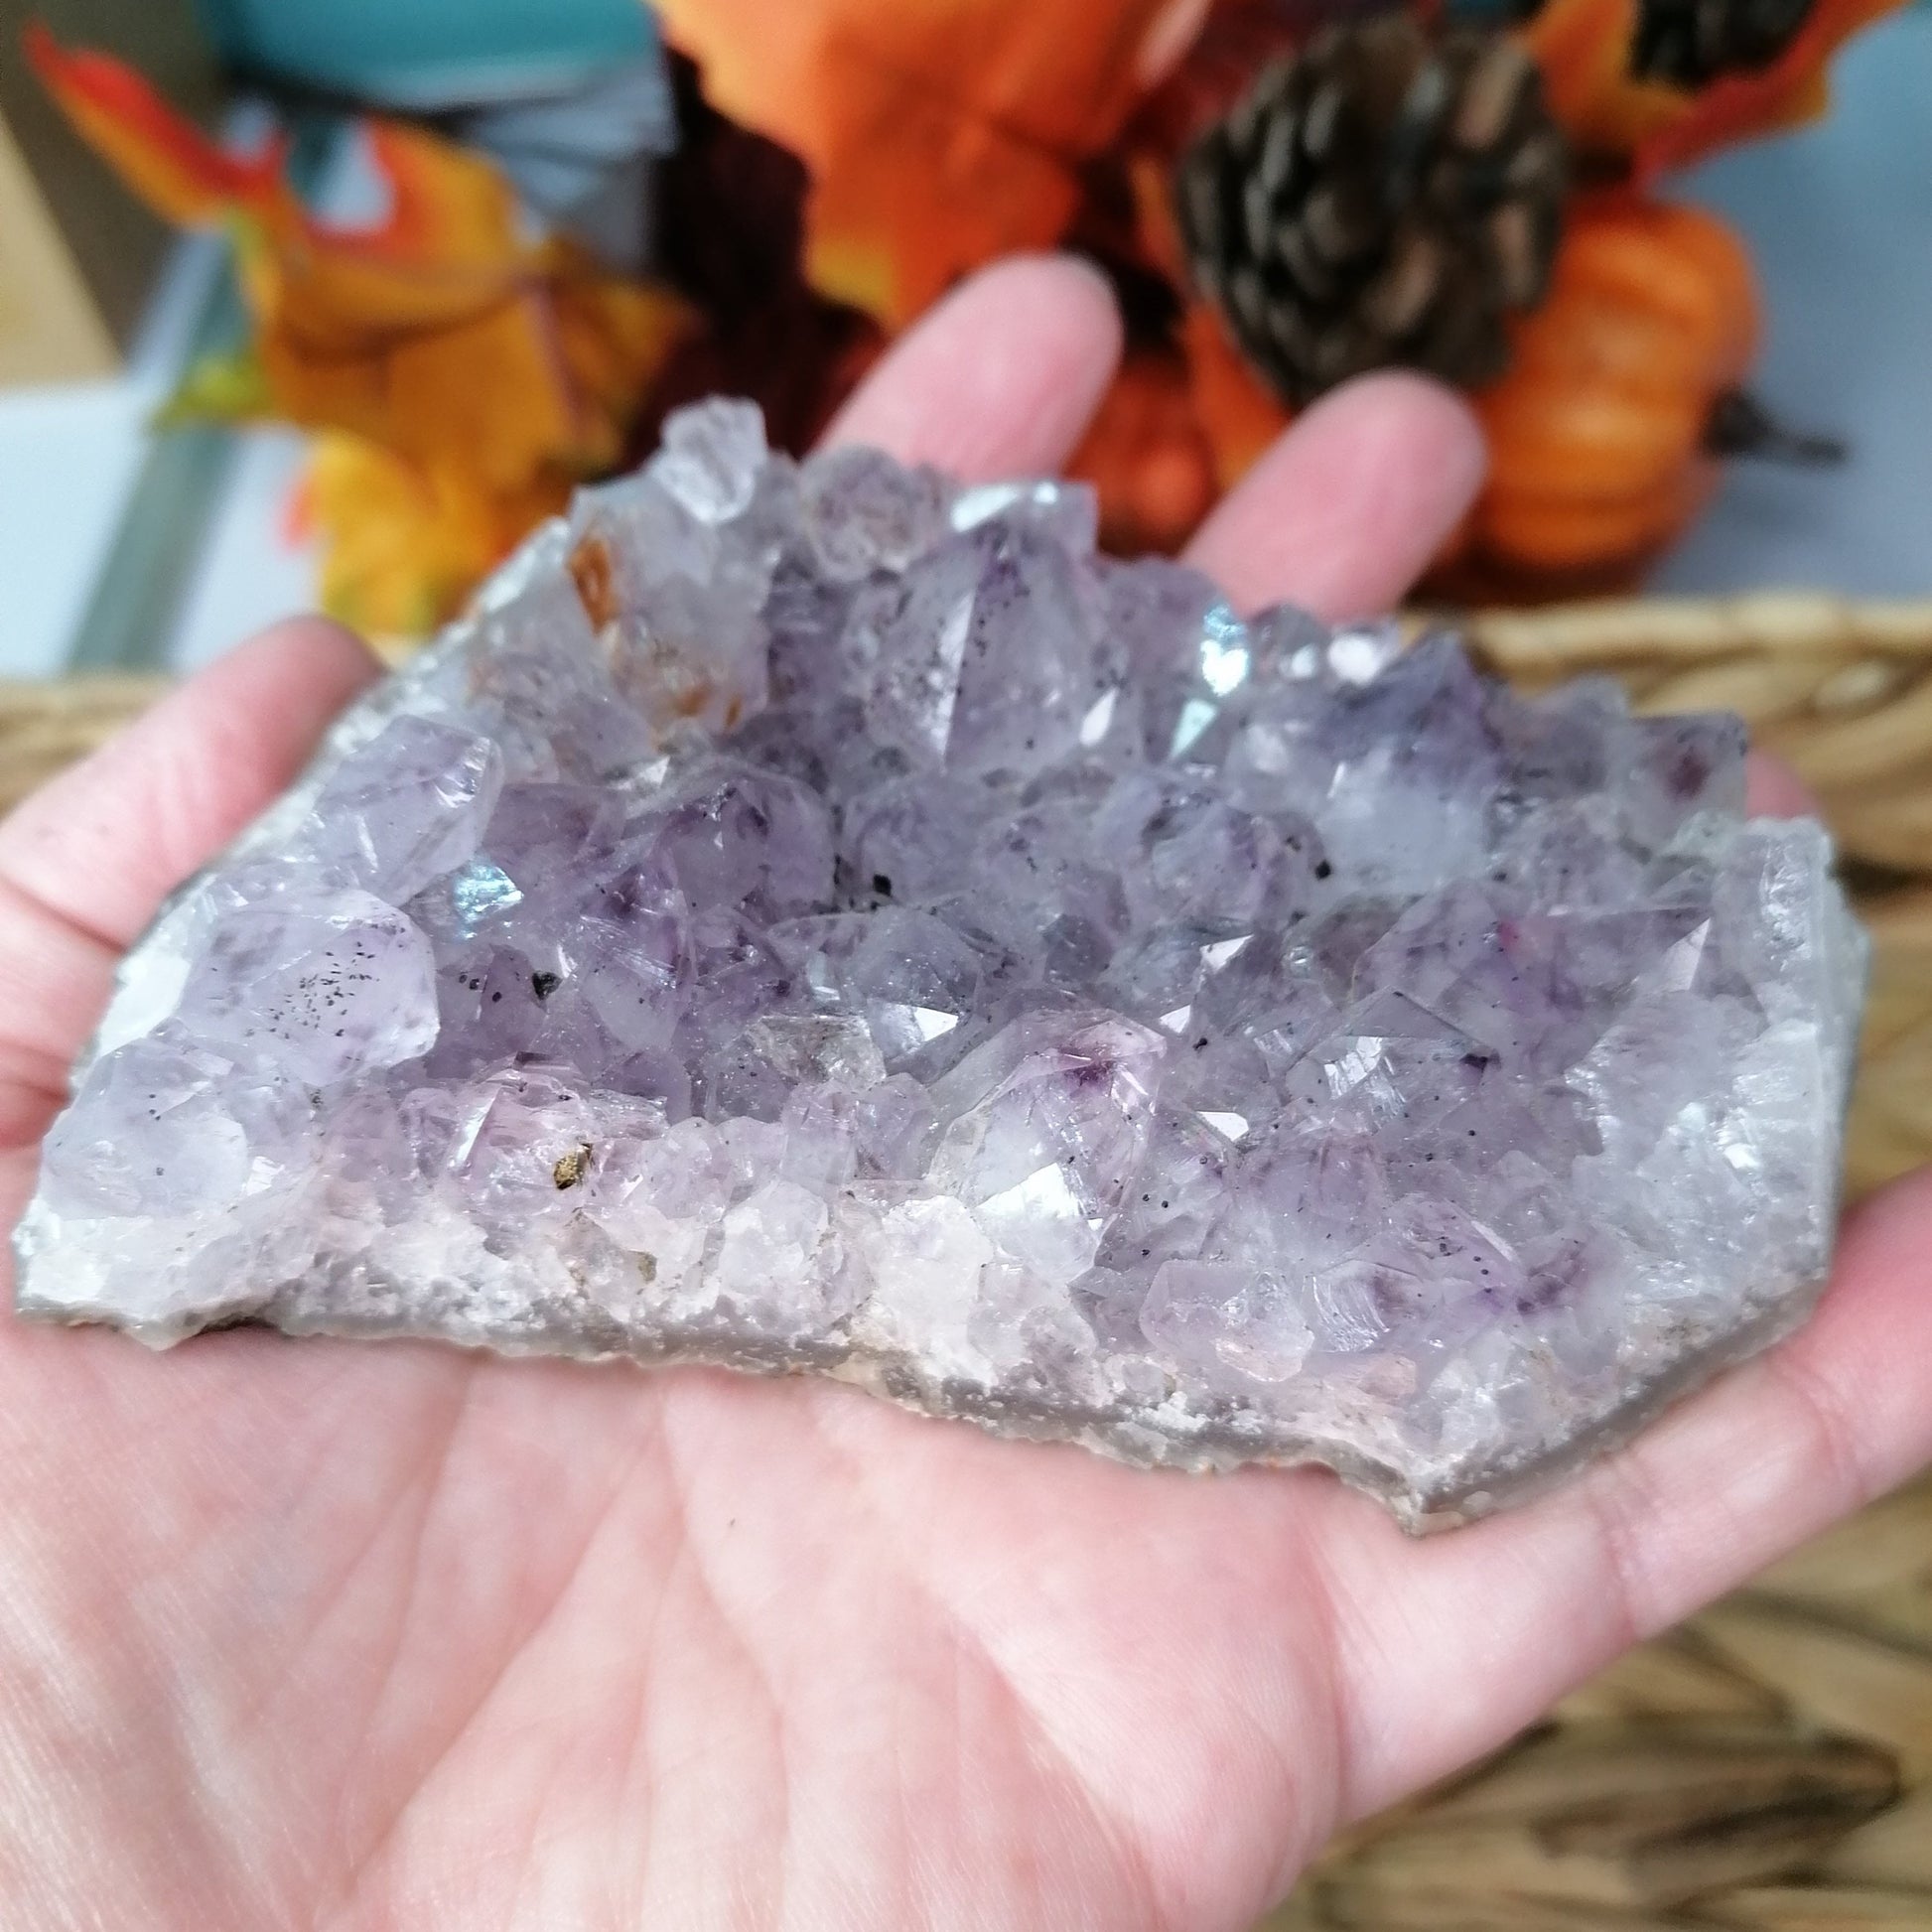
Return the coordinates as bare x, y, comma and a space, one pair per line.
350, 1637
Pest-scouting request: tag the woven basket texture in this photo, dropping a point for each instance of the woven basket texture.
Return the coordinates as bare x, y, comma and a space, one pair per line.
1770, 1763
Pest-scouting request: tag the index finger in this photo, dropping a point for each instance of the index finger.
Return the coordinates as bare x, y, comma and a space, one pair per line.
1347, 509
1000, 379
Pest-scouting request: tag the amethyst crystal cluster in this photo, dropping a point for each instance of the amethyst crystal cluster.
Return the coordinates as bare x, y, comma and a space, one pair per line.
821, 916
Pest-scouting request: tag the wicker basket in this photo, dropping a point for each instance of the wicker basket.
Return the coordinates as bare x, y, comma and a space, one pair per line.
1770, 1763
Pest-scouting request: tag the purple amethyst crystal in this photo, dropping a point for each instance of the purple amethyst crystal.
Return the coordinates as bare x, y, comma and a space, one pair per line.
819, 916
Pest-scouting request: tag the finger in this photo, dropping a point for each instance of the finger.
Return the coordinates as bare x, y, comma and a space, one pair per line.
1774, 790
1347, 509
86, 861
1000, 379
1498, 1620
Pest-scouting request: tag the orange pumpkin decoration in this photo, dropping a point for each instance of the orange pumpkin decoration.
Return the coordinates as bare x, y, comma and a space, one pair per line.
1597, 433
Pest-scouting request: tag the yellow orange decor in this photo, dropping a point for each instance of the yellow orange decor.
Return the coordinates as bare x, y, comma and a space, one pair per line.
496, 366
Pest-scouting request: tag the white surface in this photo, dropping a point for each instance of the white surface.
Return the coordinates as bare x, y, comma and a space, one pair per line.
251, 573
68, 454
67, 459
71, 453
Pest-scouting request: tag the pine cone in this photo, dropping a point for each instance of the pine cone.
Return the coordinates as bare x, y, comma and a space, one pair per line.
1387, 196
1690, 43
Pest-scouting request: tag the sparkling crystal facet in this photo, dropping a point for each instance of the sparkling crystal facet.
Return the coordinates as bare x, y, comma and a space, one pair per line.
817, 917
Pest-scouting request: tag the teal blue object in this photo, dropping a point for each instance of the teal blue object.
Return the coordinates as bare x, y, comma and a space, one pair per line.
430, 53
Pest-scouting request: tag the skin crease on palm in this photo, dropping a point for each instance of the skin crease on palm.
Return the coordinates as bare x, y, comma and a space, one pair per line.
363, 1639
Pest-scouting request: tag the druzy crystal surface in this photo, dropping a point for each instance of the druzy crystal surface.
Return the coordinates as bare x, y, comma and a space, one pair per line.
823, 917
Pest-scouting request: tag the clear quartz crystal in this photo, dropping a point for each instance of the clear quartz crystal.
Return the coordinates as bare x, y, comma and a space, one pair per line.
813, 916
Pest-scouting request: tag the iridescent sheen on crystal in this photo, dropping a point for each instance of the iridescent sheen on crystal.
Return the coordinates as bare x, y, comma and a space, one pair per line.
820, 917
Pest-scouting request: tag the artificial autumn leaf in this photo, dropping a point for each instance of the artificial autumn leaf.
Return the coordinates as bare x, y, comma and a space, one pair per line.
403, 543
939, 133
168, 161
1145, 455
223, 386
1584, 49
1238, 413
1743, 106
443, 332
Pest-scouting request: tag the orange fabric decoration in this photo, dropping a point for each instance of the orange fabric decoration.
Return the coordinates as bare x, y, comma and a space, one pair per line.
939, 133
1583, 47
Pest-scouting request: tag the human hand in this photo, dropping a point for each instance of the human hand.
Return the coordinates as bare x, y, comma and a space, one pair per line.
341, 1636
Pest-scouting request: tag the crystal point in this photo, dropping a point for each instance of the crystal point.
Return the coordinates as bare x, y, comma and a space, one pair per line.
817, 916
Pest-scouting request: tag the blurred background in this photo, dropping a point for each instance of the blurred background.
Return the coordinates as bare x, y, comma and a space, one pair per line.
197, 432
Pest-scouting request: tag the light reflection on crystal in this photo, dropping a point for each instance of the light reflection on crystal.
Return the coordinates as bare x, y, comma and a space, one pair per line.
1223, 651
479, 893
1360, 655
1099, 719
1196, 717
